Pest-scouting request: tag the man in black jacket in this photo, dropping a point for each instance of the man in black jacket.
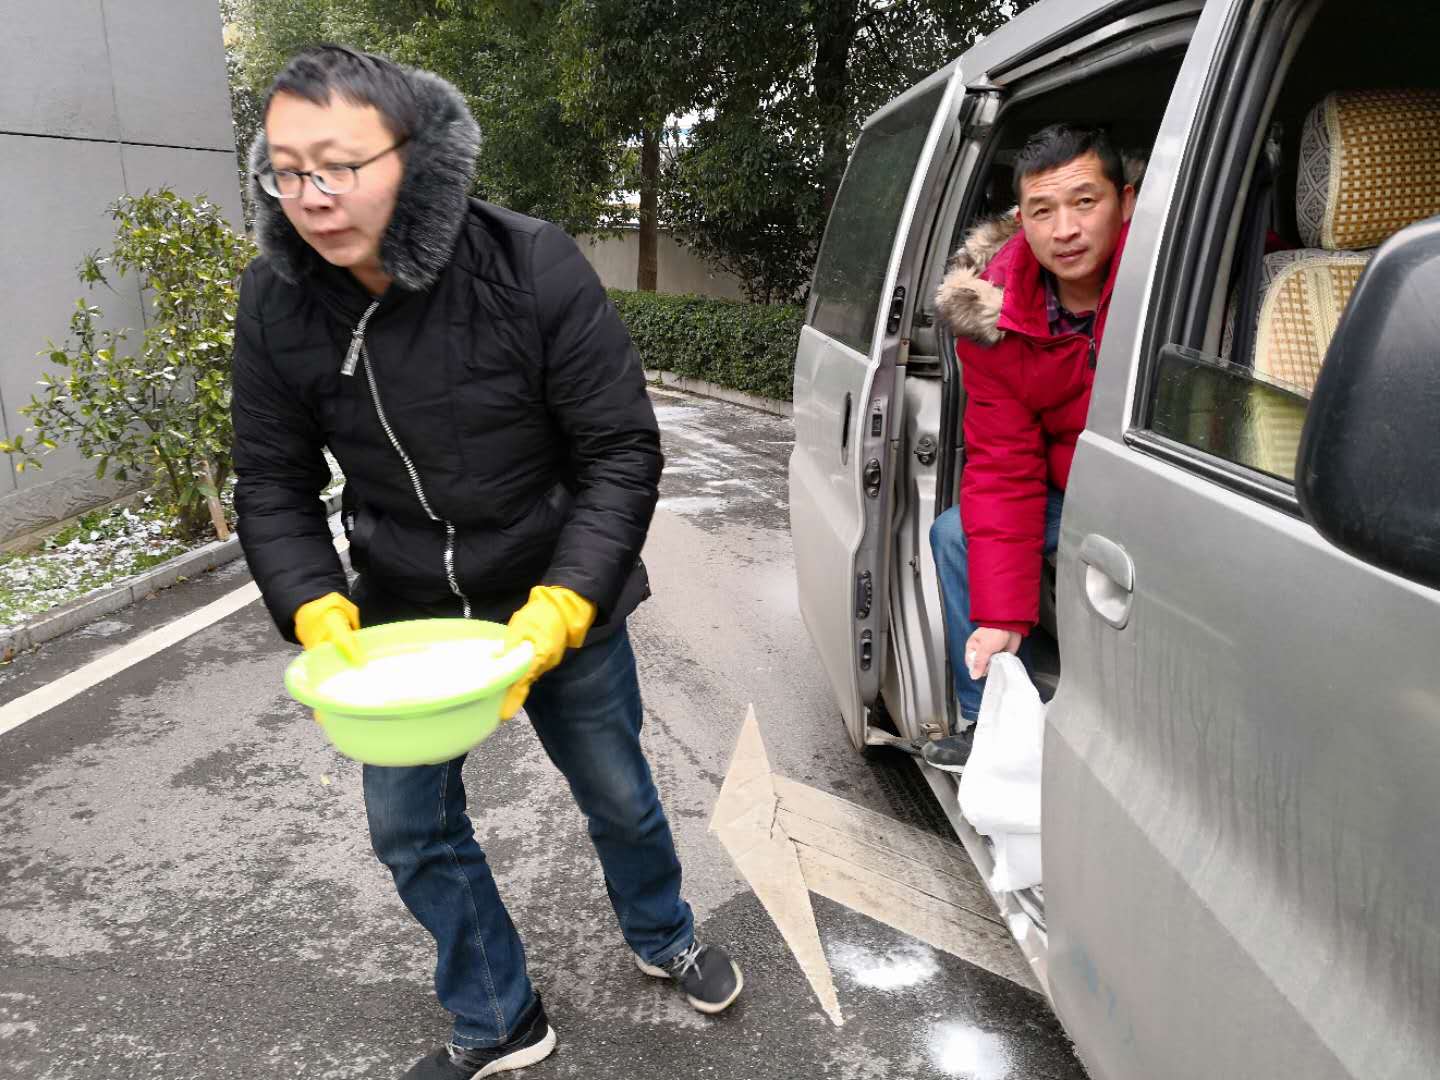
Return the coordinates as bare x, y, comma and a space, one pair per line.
501, 461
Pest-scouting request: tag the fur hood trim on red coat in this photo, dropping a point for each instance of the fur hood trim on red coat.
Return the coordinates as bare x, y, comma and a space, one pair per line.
969, 304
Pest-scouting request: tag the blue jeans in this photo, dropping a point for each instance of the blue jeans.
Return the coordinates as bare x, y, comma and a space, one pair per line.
587, 714
952, 566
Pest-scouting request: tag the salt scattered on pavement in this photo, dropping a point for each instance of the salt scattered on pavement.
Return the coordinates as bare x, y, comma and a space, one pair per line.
894, 969
961, 1050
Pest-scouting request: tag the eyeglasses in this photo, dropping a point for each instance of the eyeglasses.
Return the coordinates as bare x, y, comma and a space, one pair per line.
330, 179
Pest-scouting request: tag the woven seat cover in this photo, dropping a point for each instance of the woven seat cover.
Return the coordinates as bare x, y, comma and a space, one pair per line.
1369, 166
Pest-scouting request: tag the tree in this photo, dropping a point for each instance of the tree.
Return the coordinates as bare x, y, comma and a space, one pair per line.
791, 83
244, 102
535, 157
163, 410
630, 65
742, 194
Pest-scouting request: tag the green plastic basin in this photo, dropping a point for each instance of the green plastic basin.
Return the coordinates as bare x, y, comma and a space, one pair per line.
417, 731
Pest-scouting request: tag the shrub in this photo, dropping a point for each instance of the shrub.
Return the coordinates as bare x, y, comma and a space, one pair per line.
749, 347
163, 411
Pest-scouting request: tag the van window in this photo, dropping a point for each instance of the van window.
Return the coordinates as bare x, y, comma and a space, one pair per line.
1348, 156
855, 254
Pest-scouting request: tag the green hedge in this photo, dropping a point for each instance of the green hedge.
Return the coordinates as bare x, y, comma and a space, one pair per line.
749, 347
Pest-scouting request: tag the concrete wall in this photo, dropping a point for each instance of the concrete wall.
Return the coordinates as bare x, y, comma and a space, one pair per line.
98, 98
617, 260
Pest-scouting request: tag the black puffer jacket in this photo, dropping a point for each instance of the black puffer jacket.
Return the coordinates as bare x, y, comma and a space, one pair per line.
504, 375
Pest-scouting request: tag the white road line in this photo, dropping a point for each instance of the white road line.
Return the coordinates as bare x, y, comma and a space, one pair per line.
28, 706
31, 705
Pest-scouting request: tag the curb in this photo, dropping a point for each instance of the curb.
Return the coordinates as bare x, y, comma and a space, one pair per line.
701, 388
109, 599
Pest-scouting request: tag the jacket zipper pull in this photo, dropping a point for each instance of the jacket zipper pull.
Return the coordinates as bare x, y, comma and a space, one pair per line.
1092, 354
357, 341
352, 355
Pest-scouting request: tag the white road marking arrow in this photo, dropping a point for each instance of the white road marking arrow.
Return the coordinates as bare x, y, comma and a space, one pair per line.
745, 819
790, 840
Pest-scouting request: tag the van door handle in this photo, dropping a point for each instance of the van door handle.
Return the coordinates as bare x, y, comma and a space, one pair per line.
1109, 579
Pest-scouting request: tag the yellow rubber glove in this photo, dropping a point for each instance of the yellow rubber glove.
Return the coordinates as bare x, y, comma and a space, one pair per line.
552, 620
330, 618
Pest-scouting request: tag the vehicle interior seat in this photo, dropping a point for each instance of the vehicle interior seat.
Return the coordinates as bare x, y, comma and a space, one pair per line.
1369, 166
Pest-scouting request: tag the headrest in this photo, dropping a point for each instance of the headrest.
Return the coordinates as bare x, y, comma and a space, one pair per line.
1369, 166
1305, 293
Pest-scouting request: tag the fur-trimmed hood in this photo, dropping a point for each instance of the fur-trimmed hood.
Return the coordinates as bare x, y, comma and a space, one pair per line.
429, 209
966, 300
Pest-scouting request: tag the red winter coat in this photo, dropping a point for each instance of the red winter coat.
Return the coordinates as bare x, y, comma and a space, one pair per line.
1027, 394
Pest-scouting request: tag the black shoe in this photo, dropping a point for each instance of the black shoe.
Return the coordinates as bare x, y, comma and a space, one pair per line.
950, 753
710, 979
533, 1042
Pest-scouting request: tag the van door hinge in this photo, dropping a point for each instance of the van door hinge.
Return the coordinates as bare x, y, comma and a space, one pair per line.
867, 650
897, 308
864, 594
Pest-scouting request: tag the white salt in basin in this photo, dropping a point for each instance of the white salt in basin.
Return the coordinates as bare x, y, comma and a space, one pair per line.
443, 669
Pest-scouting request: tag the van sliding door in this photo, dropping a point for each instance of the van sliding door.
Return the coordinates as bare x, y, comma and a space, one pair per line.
846, 395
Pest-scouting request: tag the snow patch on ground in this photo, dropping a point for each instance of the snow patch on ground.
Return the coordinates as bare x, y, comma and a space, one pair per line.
894, 969
103, 548
686, 505
721, 464
105, 628
11, 1022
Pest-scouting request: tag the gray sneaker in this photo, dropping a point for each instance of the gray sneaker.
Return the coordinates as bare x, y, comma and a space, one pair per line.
950, 753
710, 979
533, 1041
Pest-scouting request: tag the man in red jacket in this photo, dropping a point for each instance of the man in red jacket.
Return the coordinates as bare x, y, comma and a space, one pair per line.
1027, 298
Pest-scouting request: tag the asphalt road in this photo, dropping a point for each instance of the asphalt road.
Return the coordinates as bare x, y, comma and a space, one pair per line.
187, 890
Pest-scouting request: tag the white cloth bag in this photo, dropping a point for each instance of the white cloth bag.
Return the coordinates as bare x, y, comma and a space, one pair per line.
1000, 787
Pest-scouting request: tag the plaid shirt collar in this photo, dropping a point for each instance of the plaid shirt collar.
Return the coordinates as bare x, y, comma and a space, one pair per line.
1061, 320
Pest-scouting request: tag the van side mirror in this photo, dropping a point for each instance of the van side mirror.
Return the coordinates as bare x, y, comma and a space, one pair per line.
1368, 474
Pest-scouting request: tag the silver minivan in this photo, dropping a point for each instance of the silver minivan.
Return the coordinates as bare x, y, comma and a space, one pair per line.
1242, 755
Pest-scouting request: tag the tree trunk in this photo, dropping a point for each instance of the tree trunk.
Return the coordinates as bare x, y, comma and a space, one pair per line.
649, 203
834, 34
212, 502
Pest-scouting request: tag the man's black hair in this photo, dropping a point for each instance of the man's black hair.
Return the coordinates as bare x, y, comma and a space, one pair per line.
319, 71
1059, 144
